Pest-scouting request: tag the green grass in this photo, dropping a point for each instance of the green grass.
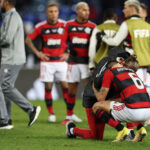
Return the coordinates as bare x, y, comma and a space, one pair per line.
51, 136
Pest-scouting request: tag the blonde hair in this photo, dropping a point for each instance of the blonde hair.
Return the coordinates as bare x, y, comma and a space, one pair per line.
78, 5
134, 3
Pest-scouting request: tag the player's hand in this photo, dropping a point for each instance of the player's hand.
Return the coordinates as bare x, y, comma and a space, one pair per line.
64, 56
43, 56
100, 35
96, 107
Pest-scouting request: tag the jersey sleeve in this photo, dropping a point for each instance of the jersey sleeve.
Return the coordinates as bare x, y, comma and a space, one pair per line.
107, 79
35, 33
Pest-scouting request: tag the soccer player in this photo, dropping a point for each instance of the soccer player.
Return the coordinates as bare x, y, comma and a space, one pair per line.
136, 33
78, 34
53, 66
13, 58
97, 48
134, 105
97, 124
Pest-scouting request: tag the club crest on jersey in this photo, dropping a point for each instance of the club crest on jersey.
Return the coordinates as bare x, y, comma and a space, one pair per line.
87, 30
60, 30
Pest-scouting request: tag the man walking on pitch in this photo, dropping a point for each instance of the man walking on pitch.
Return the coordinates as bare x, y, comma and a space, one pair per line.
13, 57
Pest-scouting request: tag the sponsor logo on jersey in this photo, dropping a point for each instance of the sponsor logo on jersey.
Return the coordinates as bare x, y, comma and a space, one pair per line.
77, 40
142, 33
53, 42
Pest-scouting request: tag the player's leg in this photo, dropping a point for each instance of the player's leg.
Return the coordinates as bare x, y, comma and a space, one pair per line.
72, 90
131, 126
103, 111
92, 133
47, 72
73, 76
11, 93
49, 101
61, 76
64, 86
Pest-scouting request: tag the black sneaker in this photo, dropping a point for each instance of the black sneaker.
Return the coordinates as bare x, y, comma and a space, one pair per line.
70, 125
6, 126
34, 115
10, 122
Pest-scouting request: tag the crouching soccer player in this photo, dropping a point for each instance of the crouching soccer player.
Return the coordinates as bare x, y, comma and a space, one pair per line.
134, 105
96, 125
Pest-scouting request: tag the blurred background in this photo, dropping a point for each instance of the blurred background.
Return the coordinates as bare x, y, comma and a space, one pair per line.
33, 11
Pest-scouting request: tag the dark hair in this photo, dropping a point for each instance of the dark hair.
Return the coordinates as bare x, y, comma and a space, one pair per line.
11, 2
132, 63
109, 13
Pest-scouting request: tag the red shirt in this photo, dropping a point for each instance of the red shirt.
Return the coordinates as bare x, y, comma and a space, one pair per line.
132, 90
78, 36
53, 41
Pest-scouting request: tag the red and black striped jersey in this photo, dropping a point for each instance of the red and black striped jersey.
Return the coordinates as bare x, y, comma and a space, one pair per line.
78, 36
132, 90
53, 41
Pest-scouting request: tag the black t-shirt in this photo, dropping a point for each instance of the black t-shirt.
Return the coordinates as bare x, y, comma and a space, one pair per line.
88, 96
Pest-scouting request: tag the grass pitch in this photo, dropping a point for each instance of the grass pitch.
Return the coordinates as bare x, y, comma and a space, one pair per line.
51, 136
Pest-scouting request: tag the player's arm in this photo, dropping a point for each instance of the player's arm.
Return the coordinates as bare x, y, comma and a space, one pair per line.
92, 48
38, 53
117, 99
100, 94
32, 47
119, 37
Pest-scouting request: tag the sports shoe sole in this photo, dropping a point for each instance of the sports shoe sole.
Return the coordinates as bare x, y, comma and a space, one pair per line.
8, 127
67, 131
38, 109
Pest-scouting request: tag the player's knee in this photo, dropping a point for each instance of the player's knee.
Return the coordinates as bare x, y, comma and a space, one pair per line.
48, 89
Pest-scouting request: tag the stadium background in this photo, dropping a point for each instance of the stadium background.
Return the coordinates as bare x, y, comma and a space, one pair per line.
33, 11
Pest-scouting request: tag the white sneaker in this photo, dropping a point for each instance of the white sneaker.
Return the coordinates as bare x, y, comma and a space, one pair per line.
75, 118
52, 118
6, 126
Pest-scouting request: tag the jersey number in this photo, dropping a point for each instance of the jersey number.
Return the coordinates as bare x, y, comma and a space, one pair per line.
138, 83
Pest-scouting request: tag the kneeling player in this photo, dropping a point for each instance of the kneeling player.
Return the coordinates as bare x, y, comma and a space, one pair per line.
96, 125
134, 105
